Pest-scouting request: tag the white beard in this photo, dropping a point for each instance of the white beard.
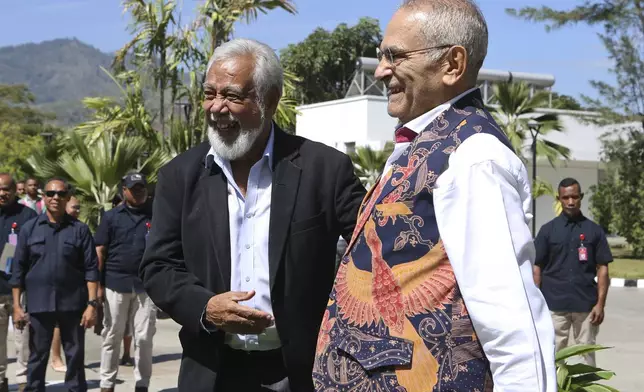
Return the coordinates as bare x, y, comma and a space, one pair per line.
240, 146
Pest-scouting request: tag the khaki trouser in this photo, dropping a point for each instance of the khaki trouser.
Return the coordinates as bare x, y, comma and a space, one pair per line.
6, 306
118, 310
21, 340
583, 332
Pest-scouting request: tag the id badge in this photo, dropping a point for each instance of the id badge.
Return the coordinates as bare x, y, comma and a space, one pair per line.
583, 254
13, 239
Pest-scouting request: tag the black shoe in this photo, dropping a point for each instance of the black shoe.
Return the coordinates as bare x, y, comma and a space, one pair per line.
4, 385
141, 389
127, 361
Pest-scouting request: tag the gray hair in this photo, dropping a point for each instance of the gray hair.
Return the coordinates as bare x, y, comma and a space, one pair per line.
454, 22
268, 74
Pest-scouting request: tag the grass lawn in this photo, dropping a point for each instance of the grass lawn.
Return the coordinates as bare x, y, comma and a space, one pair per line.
625, 267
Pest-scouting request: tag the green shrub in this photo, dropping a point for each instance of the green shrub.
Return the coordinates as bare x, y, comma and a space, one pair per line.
580, 377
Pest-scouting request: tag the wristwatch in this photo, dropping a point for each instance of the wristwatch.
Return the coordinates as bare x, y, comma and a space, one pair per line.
93, 303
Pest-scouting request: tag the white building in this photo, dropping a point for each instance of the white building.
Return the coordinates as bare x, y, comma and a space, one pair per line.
361, 119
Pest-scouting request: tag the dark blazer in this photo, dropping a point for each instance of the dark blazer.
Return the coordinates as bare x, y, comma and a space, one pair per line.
315, 199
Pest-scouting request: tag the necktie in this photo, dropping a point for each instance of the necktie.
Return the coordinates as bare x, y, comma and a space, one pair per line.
405, 135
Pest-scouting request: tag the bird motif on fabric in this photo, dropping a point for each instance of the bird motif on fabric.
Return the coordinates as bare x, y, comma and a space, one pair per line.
391, 295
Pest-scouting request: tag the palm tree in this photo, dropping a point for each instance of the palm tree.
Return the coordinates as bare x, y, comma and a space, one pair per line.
286, 112
513, 107
182, 138
127, 117
542, 188
151, 22
95, 170
369, 163
218, 17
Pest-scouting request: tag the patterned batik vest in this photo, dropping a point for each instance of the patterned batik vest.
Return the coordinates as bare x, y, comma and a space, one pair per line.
396, 320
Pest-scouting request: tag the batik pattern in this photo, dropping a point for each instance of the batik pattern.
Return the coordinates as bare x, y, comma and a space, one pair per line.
396, 320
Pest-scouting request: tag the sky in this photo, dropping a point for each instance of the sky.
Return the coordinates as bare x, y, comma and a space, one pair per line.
574, 55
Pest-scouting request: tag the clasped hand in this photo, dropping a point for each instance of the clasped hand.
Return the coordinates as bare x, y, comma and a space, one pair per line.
226, 314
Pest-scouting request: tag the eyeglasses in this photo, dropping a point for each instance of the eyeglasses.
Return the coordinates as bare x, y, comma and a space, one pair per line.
394, 58
60, 194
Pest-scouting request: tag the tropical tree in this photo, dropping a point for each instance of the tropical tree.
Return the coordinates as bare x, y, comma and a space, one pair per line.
286, 112
218, 17
182, 138
151, 24
618, 198
326, 60
129, 116
514, 107
369, 163
622, 22
95, 170
22, 127
542, 188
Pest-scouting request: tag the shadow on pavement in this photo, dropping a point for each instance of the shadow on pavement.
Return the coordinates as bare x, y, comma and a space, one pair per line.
155, 359
60, 386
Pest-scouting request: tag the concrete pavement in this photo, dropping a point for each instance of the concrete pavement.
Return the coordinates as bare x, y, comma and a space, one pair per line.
623, 329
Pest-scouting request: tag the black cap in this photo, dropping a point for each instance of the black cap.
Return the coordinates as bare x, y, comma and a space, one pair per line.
133, 179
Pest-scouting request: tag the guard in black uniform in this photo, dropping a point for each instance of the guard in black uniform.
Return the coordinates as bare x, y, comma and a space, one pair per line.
13, 216
572, 251
56, 264
121, 239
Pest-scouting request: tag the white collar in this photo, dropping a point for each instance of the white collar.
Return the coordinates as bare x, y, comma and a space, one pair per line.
421, 122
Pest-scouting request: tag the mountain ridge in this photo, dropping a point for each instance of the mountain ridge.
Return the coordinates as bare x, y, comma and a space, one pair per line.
60, 73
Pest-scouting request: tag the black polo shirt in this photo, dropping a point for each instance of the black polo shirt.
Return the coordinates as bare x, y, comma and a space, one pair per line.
13, 213
53, 263
568, 284
123, 233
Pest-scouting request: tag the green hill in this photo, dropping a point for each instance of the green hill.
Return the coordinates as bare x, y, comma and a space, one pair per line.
60, 73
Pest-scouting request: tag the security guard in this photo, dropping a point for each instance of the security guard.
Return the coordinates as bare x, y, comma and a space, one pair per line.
13, 216
571, 251
56, 264
121, 240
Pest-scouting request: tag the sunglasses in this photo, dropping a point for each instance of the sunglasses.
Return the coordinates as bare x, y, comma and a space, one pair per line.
54, 193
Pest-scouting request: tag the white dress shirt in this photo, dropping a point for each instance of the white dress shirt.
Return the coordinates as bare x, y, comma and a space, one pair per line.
482, 203
249, 219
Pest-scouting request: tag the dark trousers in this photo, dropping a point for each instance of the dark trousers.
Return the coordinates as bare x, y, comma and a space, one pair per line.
252, 371
41, 332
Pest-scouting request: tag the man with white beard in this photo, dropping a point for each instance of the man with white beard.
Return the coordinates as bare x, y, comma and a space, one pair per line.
241, 251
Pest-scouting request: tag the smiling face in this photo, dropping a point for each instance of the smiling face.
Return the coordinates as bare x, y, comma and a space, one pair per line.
414, 82
235, 119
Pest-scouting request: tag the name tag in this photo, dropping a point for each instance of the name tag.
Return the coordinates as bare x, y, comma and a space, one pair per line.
583, 254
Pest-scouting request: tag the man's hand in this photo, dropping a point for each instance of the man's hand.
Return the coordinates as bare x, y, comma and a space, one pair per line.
20, 319
226, 314
89, 317
597, 315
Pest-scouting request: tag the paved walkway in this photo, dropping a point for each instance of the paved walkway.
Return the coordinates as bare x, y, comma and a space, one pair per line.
623, 329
